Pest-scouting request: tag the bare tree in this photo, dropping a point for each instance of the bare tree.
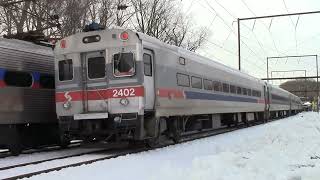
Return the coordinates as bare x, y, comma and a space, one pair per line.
163, 19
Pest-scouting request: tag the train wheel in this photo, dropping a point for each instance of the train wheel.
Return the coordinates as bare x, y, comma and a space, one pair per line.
15, 149
153, 142
176, 137
64, 142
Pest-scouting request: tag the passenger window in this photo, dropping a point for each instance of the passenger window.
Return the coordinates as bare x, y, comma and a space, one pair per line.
249, 92
18, 79
232, 89
207, 84
244, 91
147, 64
254, 93
96, 67
183, 80
123, 64
225, 88
47, 81
196, 82
65, 70
259, 93
217, 86
239, 90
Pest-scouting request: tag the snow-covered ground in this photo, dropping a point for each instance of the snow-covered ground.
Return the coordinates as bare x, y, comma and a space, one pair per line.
288, 149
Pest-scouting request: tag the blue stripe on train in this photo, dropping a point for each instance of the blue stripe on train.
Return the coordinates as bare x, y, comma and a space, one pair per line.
218, 97
2, 73
36, 76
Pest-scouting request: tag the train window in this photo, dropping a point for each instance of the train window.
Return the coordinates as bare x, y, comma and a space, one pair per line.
65, 70
196, 82
207, 84
225, 88
217, 86
47, 81
254, 93
96, 67
147, 64
249, 92
259, 94
183, 80
123, 64
232, 89
239, 90
244, 91
19, 79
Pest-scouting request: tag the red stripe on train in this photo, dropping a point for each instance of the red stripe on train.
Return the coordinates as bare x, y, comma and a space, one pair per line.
170, 93
2, 84
262, 101
100, 94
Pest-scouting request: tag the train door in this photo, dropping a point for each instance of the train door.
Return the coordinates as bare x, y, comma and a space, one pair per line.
94, 81
148, 64
266, 91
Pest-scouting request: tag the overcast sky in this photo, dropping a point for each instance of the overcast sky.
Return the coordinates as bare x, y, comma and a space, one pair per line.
287, 35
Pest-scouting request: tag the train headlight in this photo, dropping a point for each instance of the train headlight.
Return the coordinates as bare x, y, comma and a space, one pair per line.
67, 105
117, 119
124, 101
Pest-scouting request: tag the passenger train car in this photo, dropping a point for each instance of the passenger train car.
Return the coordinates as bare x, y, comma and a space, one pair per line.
120, 84
27, 106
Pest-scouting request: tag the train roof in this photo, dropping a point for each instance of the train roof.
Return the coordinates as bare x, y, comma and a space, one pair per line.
197, 57
205, 60
25, 46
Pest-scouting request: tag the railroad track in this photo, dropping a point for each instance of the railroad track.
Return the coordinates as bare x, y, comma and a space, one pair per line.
104, 155
51, 159
4, 153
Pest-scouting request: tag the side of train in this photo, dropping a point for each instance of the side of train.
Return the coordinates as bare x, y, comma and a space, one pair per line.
119, 84
27, 105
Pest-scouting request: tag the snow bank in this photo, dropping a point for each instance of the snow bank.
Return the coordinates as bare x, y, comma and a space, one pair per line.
288, 149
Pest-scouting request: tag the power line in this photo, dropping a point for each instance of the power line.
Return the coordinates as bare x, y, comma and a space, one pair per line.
233, 53
244, 25
293, 24
274, 43
216, 13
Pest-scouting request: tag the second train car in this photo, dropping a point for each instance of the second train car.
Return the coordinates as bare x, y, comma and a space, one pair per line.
27, 106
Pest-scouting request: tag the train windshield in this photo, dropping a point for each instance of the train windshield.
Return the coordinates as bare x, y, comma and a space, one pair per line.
123, 64
65, 70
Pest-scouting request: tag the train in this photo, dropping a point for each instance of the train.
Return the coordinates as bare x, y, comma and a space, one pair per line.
118, 84
27, 92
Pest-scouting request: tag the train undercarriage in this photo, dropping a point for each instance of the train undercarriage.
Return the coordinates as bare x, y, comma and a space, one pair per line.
17, 137
152, 130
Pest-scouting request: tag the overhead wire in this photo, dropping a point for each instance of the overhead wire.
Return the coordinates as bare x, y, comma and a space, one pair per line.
227, 25
255, 36
233, 53
274, 43
252, 52
293, 24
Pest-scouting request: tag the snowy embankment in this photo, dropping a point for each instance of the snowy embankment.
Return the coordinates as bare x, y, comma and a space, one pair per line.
288, 149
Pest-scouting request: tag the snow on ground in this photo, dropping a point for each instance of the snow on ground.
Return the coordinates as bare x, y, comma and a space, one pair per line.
288, 149
25, 158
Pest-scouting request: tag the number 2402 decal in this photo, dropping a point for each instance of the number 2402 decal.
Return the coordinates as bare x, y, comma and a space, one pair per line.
123, 92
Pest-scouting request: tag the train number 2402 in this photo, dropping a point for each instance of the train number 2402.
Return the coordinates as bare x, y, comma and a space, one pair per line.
123, 92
